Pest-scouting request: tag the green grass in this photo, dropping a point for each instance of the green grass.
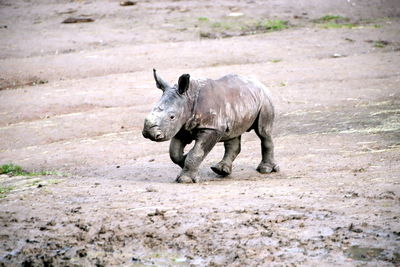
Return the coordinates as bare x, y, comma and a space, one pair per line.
13, 170
4, 190
272, 25
334, 22
269, 25
224, 25
331, 25
275, 60
380, 44
229, 27
202, 19
16, 170
329, 18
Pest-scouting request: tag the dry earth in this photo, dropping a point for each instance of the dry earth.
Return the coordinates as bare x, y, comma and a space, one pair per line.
73, 101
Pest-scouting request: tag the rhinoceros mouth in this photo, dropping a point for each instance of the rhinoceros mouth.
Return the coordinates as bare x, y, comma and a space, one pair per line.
154, 134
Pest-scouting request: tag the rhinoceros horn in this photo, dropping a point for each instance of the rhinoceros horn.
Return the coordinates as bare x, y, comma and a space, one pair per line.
161, 84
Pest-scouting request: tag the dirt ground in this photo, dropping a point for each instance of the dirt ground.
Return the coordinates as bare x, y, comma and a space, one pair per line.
73, 98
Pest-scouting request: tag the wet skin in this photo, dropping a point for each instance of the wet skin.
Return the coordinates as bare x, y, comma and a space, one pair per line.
207, 112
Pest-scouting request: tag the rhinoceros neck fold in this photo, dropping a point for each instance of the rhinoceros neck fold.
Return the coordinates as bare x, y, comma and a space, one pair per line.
193, 93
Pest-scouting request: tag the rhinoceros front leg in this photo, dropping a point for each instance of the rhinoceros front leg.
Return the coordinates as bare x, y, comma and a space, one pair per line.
176, 148
205, 141
232, 149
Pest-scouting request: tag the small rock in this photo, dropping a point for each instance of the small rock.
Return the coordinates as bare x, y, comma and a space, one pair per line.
81, 253
51, 223
180, 260
190, 234
75, 210
134, 259
336, 55
127, 3
209, 35
235, 14
157, 213
82, 226
77, 20
102, 230
151, 189
355, 230
351, 195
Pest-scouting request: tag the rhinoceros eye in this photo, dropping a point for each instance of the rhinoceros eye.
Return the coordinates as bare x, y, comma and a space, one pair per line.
172, 117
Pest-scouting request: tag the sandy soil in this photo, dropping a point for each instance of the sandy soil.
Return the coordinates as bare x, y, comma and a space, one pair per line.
73, 98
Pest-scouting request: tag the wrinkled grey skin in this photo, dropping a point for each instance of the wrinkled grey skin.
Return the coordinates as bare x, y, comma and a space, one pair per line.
210, 111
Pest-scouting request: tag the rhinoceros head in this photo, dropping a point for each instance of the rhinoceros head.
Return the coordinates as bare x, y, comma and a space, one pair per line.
170, 113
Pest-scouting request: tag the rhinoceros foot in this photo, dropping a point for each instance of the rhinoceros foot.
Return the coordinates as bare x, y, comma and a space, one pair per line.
185, 179
222, 169
267, 168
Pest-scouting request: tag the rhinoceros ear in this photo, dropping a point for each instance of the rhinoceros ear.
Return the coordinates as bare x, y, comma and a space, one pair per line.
183, 83
160, 83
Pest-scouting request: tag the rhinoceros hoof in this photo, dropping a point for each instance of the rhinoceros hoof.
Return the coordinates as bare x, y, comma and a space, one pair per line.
267, 168
185, 179
222, 169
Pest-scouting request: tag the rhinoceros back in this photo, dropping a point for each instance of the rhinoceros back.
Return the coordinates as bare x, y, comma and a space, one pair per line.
230, 104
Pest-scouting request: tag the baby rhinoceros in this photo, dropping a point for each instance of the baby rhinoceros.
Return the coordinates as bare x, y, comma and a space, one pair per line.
209, 111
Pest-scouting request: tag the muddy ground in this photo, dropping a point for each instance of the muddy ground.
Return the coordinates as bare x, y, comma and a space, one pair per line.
73, 98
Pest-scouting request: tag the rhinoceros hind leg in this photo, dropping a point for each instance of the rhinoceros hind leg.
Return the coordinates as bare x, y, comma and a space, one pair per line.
267, 168
185, 179
232, 149
267, 164
263, 131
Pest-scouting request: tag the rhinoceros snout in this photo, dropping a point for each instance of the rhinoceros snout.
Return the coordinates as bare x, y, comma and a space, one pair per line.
153, 133
159, 136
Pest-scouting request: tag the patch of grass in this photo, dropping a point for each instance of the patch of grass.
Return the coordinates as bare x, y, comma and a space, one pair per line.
272, 25
4, 190
216, 24
331, 25
329, 18
11, 169
202, 19
16, 170
275, 60
44, 173
335, 22
230, 27
380, 43
223, 25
